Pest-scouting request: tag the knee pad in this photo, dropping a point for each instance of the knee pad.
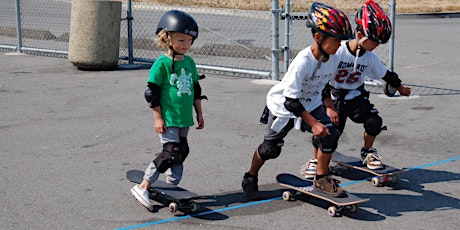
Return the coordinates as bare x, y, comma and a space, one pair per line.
373, 125
315, 142
168, 157
183, 148
270, 149
329, 143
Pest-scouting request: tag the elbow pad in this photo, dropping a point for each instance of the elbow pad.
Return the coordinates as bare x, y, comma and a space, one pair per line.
197, 92
294, 106
152, 95
392, 79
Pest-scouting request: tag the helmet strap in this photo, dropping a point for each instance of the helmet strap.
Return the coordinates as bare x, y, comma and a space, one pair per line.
174, 53
358, 51
320, 43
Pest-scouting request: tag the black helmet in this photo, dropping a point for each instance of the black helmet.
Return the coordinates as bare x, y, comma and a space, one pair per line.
330, 21
178, 21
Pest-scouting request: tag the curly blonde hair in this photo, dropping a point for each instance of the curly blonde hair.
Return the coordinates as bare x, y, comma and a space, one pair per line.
163, 39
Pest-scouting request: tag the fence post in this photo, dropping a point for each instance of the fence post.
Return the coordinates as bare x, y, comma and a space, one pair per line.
18, 26
275, 40
129, 19
391, 45
287, 38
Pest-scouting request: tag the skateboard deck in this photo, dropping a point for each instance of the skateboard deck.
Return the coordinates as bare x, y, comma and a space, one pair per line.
176, 197
348, 202
386, 174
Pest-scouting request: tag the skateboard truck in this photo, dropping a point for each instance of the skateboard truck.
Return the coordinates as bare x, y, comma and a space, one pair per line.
379, 180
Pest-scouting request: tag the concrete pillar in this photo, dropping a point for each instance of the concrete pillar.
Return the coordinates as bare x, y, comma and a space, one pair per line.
94, 40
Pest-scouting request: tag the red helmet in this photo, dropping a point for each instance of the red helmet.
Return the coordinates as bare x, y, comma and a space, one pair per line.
329, 21
373, 22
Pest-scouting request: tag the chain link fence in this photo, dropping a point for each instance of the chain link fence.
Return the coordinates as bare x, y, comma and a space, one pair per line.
235, 41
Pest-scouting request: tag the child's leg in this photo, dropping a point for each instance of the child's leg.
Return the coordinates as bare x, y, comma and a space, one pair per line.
151, 174
174, 174
141, 191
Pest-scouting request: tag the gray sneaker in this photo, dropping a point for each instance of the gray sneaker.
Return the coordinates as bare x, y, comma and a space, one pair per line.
309, 169
142, 196
371, 158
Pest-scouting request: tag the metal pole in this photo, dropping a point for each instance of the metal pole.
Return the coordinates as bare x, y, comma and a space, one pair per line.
129, 18
391, 45
18, 26
275, 40
287, 35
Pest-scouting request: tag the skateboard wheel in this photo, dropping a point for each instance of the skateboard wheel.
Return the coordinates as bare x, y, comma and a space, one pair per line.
352, 208
287, 196
332, 211
155, 193
375, 181
194, 206
394, 178
172, 207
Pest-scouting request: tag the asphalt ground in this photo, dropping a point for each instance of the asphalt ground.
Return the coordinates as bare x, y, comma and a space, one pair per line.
68, 137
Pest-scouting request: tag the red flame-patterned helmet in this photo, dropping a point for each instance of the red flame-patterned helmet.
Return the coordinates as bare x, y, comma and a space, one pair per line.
329, 21
373, 22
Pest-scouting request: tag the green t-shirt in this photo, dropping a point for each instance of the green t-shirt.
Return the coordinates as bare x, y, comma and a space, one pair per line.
177, 94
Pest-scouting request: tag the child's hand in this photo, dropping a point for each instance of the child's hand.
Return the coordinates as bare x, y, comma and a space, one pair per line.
404, 90
200, 121
333, 115
320, 130
159, 126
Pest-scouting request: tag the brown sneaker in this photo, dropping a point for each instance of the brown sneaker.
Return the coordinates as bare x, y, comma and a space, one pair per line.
329, 186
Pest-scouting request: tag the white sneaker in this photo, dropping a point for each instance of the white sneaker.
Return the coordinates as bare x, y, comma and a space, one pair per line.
371, 158
309, 169
142, 196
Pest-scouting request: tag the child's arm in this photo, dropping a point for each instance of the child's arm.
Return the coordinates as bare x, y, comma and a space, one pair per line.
199, 113
393, 79
404, 90
294, 106
330, 110
197, 104
159, 123
152, 96
329, 103
318, 129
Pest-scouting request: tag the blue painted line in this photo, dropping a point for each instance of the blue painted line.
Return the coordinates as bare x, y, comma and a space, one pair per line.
199, 214
266, 201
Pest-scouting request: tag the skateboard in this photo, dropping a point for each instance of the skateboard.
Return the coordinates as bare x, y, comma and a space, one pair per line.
349, 202
176, 197
387, 174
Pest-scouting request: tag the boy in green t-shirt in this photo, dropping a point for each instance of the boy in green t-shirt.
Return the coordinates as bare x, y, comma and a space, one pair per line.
173, 91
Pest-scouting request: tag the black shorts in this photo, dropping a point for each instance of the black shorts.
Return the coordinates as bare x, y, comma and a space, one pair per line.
357, 109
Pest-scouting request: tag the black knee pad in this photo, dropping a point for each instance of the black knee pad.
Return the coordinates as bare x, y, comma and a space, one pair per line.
270, 149
373, 124
168, 157
329, 143
183, 148
315, 141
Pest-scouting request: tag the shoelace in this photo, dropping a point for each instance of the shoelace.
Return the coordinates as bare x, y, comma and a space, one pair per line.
375, 157
335, 183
